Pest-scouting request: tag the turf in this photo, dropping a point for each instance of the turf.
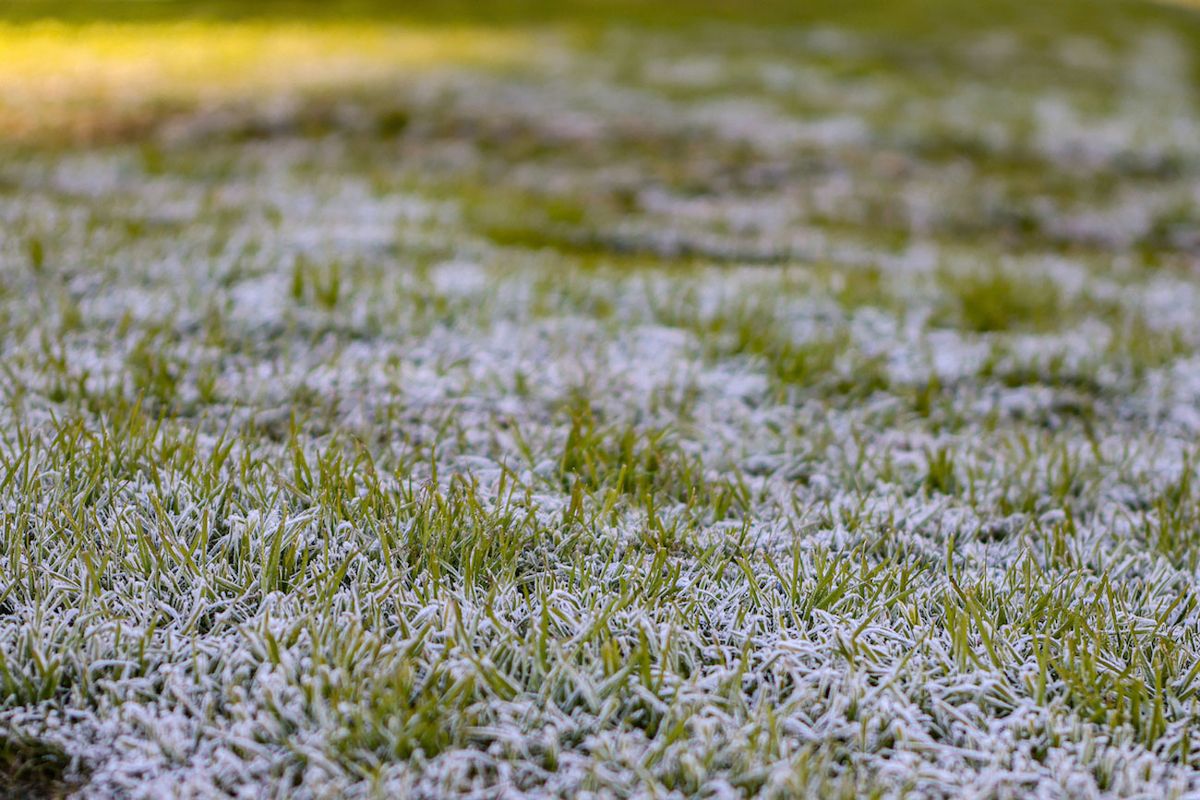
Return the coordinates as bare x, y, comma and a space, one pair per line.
599, 400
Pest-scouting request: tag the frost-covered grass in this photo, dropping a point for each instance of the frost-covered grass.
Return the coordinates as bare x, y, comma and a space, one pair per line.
607, 410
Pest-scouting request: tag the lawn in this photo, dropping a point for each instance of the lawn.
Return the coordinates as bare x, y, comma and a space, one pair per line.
599, 399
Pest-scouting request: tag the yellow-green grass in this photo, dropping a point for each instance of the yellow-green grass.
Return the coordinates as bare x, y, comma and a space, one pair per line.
97, 79
86, 71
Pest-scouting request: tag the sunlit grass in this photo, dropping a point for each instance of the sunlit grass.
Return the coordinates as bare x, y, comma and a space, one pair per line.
87, 71
92, 79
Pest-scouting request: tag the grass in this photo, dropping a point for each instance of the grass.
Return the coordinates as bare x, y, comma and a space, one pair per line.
31, 768
671, 400
996, 301
105, 80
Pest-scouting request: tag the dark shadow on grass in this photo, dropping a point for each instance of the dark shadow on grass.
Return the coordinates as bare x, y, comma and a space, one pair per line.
32, 769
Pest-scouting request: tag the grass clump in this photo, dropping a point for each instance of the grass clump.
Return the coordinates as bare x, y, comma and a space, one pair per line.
997, 300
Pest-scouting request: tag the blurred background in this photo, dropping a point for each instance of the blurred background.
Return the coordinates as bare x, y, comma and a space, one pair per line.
78, 69
932, 117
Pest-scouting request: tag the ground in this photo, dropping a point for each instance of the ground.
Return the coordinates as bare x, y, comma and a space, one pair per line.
600, 401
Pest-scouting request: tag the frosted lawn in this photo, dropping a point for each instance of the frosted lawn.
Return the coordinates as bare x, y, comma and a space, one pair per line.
662, 416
